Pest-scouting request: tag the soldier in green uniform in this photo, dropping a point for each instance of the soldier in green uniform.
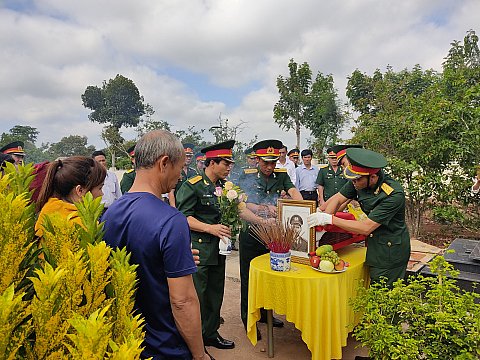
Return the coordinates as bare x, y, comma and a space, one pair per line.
294, 155
196, 199
200, 161
340, 150
252, 160
129, 176
187, 171
383, 201
330, 178
263, 187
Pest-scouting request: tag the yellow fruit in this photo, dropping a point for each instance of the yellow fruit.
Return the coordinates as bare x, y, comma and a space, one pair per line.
323, 249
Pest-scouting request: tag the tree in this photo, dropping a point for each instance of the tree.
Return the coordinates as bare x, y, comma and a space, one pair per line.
70, 146
291, 110
223, 132
28, 135
117, 103
428, 126
150, 125
326, 118
312, 105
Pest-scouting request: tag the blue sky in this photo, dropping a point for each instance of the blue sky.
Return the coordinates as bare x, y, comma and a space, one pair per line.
193, 60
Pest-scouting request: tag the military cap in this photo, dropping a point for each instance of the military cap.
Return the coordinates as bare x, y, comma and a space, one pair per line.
268, 150
294, 153
250, 153
200, 157
14, 148
221, 150
296, 219
188, 148
131, 150
363, 162
340, 150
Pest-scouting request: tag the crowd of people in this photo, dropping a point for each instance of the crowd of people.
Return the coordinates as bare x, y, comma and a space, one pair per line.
165, 212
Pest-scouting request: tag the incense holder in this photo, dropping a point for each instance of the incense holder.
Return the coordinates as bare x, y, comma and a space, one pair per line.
280, 261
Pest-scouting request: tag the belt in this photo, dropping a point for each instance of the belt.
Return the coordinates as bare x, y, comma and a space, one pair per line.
308, 192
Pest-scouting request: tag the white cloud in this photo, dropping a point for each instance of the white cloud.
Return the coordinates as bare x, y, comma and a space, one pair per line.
53, 51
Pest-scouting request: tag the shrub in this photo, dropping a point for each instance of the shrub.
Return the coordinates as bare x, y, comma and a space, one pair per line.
70, 298
426, 318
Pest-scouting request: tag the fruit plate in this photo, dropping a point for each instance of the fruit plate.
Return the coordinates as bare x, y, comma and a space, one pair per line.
330, 272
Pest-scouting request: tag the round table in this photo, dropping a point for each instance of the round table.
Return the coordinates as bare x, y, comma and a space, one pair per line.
317, 303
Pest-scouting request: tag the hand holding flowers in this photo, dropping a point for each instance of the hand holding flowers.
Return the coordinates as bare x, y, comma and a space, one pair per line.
231, 200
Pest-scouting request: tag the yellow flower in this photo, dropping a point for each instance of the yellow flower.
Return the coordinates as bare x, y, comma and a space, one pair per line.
241, 206
228, 185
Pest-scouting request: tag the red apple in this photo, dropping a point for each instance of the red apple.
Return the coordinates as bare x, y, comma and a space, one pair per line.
315, 261
340, 266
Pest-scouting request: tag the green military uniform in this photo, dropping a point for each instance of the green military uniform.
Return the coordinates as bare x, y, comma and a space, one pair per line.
129, 176
260, 190
196, 198
331, 180
127, 180
191, 172
388, 248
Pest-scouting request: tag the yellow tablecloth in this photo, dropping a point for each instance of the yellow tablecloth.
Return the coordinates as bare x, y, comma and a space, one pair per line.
315, 302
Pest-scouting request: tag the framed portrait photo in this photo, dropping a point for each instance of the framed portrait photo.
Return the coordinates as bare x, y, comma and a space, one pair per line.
295, 212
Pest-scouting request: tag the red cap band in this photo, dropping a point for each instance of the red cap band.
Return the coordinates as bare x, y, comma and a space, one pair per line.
14, 150
363, 170
270, 151
341, 153
219, 153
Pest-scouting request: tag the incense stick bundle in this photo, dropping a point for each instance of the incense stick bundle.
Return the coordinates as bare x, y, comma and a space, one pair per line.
277, 237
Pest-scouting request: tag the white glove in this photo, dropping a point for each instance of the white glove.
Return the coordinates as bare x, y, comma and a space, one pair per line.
319, 218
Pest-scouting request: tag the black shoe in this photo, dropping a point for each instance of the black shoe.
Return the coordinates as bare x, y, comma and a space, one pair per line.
276, 322
219, 343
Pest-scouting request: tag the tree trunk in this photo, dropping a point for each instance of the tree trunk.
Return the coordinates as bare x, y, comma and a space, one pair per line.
113, 158
297, 131
414, 211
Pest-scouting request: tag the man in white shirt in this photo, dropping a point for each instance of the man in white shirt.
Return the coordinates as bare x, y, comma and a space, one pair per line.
285, 163
111, 188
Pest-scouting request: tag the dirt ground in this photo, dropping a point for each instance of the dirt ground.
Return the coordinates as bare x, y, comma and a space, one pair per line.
288, 343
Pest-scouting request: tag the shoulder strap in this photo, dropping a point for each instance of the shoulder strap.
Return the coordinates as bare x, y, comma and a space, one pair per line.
129, 171
250, 171
280, 170
195, 179
387, 188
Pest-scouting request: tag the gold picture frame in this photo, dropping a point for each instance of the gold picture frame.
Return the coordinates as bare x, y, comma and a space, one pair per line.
297, 211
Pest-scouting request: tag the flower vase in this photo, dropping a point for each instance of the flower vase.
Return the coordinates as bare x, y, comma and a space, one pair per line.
225, 246
280, 261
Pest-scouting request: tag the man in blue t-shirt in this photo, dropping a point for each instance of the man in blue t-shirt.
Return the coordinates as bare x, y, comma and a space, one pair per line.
158, 238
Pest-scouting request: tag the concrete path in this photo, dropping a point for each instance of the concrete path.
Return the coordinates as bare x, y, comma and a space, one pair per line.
287, 340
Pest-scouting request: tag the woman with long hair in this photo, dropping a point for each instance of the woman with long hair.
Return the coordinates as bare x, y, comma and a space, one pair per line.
65, 183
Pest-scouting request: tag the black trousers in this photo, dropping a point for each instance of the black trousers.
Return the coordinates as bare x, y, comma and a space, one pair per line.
310, 195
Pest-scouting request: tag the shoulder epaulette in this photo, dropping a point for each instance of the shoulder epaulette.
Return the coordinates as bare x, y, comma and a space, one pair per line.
280, 170
194, 179
323, 166
129, 171
250, 171
386, 188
